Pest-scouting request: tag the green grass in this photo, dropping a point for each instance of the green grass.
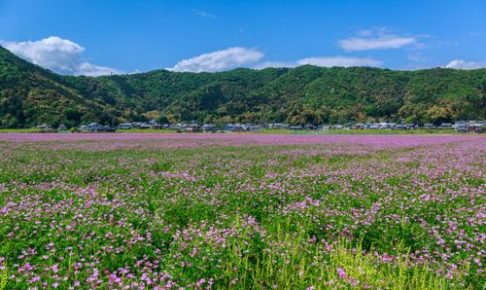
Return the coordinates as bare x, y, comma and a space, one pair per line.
377, 132
250, 217
27, 130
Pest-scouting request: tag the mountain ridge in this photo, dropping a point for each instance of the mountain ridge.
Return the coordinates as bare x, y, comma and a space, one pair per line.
31, 95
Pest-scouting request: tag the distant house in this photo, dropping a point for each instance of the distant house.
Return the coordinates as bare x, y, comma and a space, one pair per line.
277, 126
253, 128
476, 126
192, 128
44, 128
235, 127
109, 129
460, 126
177, 126
310, 127
240, 128
471, 126
384, 125
401, 127
62, 128
338, 126
83, 129
154, 124
144, 125
96, 128
208, 128
125, 126
296, 127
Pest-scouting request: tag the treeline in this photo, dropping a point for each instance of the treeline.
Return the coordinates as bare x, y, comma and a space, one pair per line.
30, 95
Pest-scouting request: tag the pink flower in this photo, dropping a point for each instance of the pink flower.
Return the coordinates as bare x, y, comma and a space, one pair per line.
341, 273
55, 268
34, 279
386, 258
114, 279
200, 282
27, 267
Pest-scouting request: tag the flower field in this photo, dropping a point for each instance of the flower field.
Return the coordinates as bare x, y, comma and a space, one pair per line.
242, 211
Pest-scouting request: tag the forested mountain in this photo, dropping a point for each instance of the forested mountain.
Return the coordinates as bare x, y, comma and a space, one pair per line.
30, 95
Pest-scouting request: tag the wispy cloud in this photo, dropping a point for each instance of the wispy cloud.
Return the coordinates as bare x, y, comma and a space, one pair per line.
462, 64
343, 61
219, 60
274, 64
203, 14
376, 39
59, 55
323, 61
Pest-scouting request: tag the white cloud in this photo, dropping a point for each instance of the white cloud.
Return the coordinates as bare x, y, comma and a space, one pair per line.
382, 42
57, 54
204, 14
323, 61
330, 61
89, 69
462, 64
219, 60
275, 64
373, 39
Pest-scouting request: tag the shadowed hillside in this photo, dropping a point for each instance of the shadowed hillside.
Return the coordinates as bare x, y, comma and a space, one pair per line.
30, 95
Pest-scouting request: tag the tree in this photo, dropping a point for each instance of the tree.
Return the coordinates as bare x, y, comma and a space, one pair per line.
152, 115
438, 114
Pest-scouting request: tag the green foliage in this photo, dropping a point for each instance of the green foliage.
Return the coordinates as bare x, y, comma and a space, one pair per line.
3, 278
30, 95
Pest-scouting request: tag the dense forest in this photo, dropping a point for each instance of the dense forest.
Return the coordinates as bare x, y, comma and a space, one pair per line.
31, 95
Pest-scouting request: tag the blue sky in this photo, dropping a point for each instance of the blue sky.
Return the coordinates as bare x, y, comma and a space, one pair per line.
99, 37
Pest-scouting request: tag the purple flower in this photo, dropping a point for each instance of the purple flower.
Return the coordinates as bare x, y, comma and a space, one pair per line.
341, 273
55, 268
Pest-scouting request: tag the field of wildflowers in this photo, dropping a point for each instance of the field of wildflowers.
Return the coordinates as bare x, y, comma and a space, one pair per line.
231, 211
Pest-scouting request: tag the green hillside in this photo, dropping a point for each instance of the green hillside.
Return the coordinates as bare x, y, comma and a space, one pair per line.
30, 95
